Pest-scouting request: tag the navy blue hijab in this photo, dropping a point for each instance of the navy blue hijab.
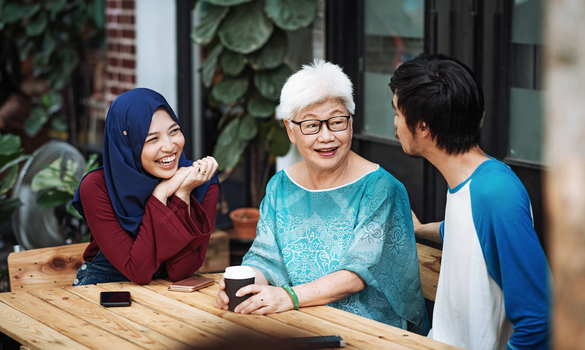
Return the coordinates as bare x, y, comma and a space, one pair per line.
129, 185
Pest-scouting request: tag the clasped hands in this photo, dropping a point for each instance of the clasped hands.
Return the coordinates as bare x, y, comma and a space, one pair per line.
265, 299
186, 179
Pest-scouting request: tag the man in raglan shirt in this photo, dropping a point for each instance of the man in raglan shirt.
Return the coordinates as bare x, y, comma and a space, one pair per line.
493, 288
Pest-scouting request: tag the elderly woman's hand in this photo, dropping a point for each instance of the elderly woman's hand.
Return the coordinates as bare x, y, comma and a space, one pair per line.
222, 300
266, 299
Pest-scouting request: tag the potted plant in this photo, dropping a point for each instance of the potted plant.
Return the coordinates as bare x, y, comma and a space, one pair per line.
245, 69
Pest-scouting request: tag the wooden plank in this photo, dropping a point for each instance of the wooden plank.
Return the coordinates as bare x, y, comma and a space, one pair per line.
256, 323
45, 267
365, 325
174, 308
107, 320
429, 260
381, 330
31, 333
174, 328
325, 327
63, 321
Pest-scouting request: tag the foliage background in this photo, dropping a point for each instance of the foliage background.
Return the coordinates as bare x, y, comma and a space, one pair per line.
246, 45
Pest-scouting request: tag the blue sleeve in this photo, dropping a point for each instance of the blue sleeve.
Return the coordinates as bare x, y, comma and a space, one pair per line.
515, 259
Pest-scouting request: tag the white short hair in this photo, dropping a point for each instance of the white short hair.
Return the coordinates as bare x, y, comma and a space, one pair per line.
315, 83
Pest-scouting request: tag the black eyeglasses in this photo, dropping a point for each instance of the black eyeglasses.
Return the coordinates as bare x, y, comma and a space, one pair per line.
313, 126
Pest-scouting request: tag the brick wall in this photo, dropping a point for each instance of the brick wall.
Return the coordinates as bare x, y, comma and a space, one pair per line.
121, 48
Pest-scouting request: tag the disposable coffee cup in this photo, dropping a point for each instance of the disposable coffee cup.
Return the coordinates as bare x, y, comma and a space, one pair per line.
235, 278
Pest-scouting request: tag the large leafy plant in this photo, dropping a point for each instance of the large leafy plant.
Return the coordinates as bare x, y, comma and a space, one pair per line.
245, 69
51, 33
11, 154
56, 185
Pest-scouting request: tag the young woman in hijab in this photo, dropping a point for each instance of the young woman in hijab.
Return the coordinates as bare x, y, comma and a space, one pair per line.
148, 208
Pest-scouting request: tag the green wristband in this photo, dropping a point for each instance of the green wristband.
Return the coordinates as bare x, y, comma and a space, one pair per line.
292, 294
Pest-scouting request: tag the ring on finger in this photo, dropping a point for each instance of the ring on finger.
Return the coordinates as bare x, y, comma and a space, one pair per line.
262, 302
204, 172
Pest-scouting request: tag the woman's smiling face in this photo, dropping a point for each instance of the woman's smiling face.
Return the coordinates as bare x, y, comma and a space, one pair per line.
163, 145
327, 149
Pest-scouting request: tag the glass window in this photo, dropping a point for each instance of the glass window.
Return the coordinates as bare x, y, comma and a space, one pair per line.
526, 81
394, 32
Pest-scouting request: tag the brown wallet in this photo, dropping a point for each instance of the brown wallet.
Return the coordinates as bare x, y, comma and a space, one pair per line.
191, 284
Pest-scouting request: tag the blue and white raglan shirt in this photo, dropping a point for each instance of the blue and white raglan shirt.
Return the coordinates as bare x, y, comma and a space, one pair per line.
493, 285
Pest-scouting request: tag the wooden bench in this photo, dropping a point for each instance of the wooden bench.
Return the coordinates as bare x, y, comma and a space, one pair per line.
429, 260
45, 267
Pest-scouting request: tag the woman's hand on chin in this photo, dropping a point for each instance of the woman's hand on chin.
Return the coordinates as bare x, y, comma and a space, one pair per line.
168, 187
202, 171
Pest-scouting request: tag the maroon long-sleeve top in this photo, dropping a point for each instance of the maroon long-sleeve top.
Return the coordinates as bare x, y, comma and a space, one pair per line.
168, 234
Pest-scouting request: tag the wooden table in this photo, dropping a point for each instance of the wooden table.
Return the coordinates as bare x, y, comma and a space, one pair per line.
71, 318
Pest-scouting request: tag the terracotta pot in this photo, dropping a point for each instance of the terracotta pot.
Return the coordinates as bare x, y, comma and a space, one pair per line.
245, 221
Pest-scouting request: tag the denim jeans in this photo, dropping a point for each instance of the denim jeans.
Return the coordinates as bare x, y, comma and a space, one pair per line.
100, 270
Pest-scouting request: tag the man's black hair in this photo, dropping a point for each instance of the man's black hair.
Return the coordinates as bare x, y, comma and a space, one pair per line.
445, 94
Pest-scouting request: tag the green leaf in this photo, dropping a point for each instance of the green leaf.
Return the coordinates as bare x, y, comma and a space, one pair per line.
71, 168
260, 107
210, 65
246, 28
71, 210
9, 144
9, 180
272, 54
59, 122
226, 2
41, 63
35, 122
229, 147
55, 6
270, 82
248, 128
49, 177
69, 59
204, 32
37, 24
232, 63
291, 14
92, 163
7, 206
52, 198
49, 44
229, 134
52, 101
277, 142
17, 10
57, 79
229, 89
30, 9
12, 160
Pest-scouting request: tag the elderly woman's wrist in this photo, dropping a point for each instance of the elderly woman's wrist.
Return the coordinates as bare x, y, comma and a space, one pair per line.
292, 295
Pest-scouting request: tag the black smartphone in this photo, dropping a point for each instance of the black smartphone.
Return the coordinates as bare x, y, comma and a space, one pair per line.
115, 299
328, 341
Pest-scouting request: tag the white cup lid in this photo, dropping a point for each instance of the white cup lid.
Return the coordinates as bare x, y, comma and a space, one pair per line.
239, 272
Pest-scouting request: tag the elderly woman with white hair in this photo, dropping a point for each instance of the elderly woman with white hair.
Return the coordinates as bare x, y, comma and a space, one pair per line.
334, 228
